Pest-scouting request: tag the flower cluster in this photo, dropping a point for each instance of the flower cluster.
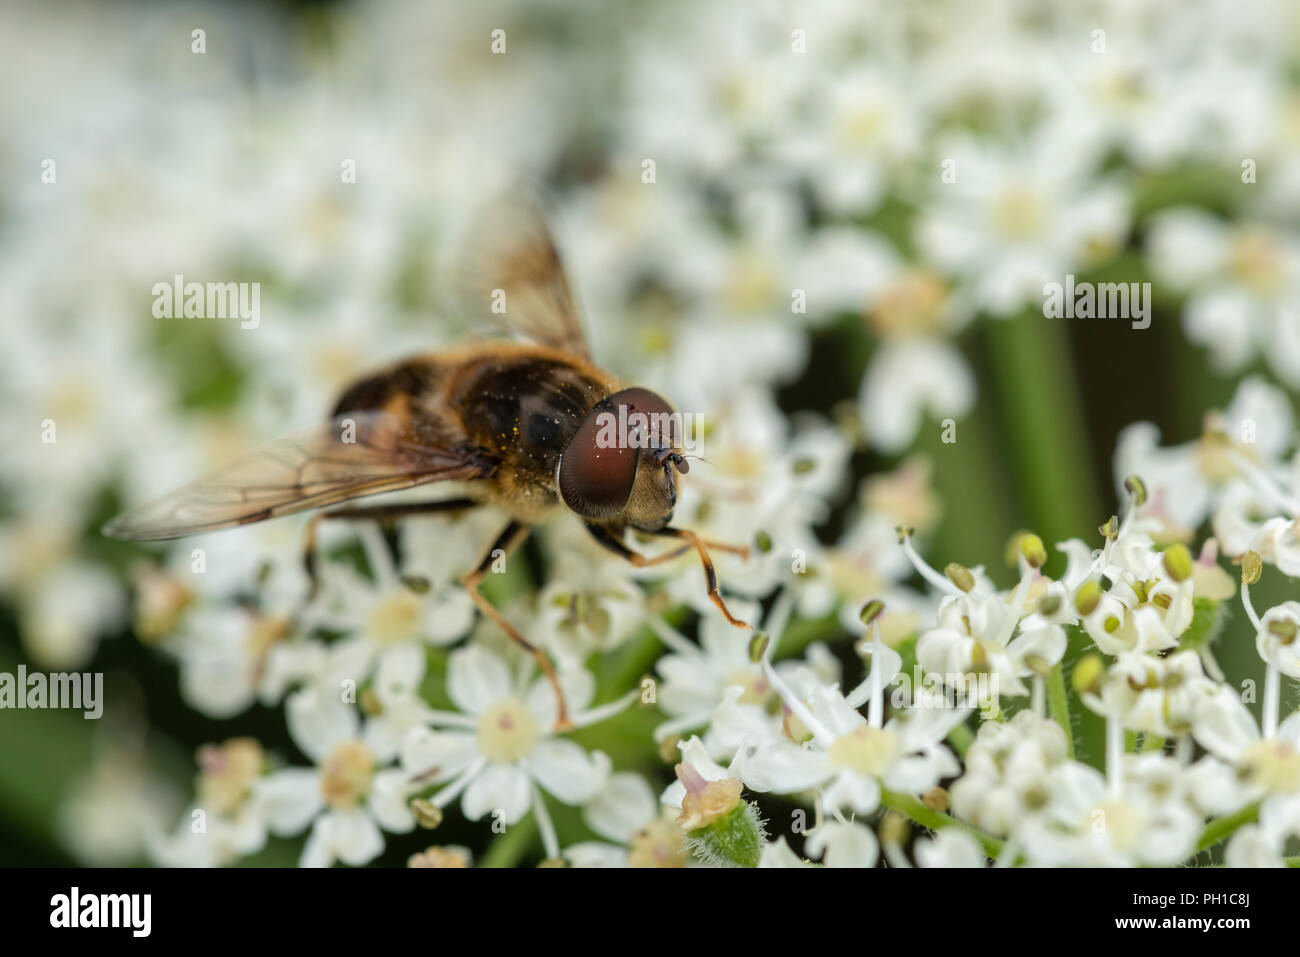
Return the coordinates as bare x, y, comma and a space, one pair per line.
824, 230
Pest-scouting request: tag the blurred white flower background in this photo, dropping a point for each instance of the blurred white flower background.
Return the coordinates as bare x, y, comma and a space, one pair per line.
824, 227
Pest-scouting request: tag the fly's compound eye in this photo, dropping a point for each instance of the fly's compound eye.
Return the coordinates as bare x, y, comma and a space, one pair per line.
644, 420
599, 466
595, 478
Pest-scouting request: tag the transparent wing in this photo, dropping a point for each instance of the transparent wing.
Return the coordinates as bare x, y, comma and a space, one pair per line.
357, 454
511, 277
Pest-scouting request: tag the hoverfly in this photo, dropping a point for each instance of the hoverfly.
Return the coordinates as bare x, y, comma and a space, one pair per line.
518, 423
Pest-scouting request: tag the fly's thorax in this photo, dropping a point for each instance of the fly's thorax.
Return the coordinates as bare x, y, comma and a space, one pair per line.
524, 409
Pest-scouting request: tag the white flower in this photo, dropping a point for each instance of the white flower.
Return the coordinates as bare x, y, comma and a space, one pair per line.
847, 758
346, 798
499, 750
1186, 483
1008, 769
843, 844
328, 679
1155, 695
973, 638
1246, 765
391, 610
112, 811
1145, 609
228, 819
951, 847
1088, 824
1253, 846
1277, 639
973, 646
626, 813
777, 853
1013, 222
907, 380
717, 684
696, 762
1277, 540
863, 120
1244, 281
1144, 102
222, 651
70, 417
62, 620
396, 706
589, 604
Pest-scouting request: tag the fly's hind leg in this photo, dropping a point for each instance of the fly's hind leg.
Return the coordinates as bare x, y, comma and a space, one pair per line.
510, 538
691, 540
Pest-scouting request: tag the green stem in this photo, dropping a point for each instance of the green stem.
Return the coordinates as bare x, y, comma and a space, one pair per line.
1153, 742
914, 809
1225, 827
960, 738
1058, 702
1032, 378
1038, 397
803, 632
968, 472
507, 849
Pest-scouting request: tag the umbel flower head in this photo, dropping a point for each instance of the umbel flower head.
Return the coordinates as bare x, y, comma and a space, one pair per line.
499, 752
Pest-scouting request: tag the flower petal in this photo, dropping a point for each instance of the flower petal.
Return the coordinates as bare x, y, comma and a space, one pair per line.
291, 798
319, 722
477, 679
387, 801
502, 788
622, 807
440, 754
564, 769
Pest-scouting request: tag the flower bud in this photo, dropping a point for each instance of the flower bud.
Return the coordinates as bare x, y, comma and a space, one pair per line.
1088, 597
438, 857
427, 814
1178, 562
1137, 490
1031, 546
1012, 550
722, 830
960, 576
1087, 674
936, 799
1252, 566
871, 611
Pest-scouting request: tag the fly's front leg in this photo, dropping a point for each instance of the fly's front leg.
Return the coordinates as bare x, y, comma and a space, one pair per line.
606, 538
610, 541
710, 576
510, 538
